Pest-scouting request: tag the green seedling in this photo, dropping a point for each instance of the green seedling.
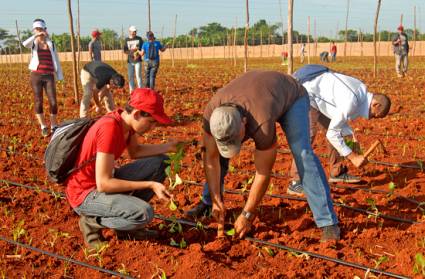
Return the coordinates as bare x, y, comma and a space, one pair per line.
183, 243
96, 253
161, 226
232, 169
419, 267
392, 186
174, 243
372, 207
270, 189
231, 232
380, 260
174, 166
123, 270
269, 251
18, 231
172, 206
57, 235
246, 183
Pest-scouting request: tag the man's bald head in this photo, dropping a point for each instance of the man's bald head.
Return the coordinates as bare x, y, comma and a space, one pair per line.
380, 106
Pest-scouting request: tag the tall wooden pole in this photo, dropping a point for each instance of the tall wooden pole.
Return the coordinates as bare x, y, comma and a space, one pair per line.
308, 40
234, 43
346, 28
78, 37
414, 31
375, 29
401, 19
290, 49
174, 41
74, 64
246, 37
18, 34
315, 39
149, 15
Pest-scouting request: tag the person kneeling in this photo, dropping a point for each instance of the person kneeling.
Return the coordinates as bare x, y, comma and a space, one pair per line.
105, 197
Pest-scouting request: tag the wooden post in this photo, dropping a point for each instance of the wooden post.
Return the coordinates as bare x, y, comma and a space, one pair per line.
308, 40
315, 38
375, 28
401, 19
246, 38
261, 43
78, 37
187, 51
346, 28
174, 41
234, 43
193, 46
414, 31
290, 49
74, 64
149, 15
18, 34
200, 46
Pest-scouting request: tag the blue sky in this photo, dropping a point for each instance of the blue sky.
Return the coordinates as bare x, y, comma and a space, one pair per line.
329, 15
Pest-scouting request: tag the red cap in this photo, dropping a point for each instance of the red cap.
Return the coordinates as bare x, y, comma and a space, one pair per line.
148, 100
95, 33
400, 28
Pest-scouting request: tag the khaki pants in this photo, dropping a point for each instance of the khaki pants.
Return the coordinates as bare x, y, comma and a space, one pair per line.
401, 63
336, 166
89, 88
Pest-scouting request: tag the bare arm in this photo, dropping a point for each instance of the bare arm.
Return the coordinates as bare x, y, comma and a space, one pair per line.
136, 150
28, 42
212, 168
264, 161
105, 182
91, 52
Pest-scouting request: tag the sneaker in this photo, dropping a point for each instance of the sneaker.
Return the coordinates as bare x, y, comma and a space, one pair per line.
141, 234
91, 230
45, 132
330, 233
295, 188
344, 178
201, 209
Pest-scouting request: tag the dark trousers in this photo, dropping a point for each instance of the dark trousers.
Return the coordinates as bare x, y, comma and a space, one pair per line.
151, 69
46, 82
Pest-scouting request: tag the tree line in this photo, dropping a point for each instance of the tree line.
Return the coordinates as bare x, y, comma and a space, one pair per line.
212, 34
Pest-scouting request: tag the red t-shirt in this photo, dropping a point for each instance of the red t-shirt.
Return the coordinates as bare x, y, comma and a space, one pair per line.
107, 136
333, 49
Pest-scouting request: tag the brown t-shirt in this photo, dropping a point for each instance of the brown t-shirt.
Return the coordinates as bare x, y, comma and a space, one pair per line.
263, 96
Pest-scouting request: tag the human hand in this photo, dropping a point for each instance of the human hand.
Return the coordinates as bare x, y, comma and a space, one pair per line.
174, 145
357, 160
161, 191
97, 109
242, 226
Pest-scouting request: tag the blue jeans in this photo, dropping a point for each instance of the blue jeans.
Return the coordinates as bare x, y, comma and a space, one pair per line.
134, 68
295, 124
224, 167
126, 211
151, 68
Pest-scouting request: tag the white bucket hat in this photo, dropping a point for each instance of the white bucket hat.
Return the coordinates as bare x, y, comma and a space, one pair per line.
132, 28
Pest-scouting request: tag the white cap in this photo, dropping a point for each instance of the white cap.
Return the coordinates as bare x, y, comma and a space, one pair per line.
132, 28
38, 24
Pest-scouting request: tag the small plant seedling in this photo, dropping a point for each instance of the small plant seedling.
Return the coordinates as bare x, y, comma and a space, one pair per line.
419, 267
161, 226
392, 186
174, 243
19, 231
172, 206
269, 251
380, 260
174, 166
183, 243
123, 270
372, 206
231, 232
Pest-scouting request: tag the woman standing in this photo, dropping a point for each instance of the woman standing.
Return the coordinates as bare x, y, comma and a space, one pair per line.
44, 66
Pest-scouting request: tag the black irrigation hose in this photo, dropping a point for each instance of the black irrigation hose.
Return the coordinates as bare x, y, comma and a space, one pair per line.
32, 188
288, 197
67, 259
396, 165
190, 223
290, 249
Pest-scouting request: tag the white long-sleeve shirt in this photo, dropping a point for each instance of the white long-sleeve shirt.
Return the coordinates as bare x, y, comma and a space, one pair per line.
340, 98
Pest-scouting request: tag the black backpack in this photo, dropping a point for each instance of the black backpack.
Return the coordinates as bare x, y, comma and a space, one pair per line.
152, 53
62, 150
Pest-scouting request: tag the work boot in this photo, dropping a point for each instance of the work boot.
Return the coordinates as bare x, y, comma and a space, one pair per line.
295, 188
331, 232
201, 209
91, 230
344, 178
141, 234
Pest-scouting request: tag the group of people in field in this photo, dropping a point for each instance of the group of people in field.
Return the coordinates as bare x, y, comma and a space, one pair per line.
249, 107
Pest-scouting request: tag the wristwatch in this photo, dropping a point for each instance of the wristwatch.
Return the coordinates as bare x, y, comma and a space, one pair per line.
248, 215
